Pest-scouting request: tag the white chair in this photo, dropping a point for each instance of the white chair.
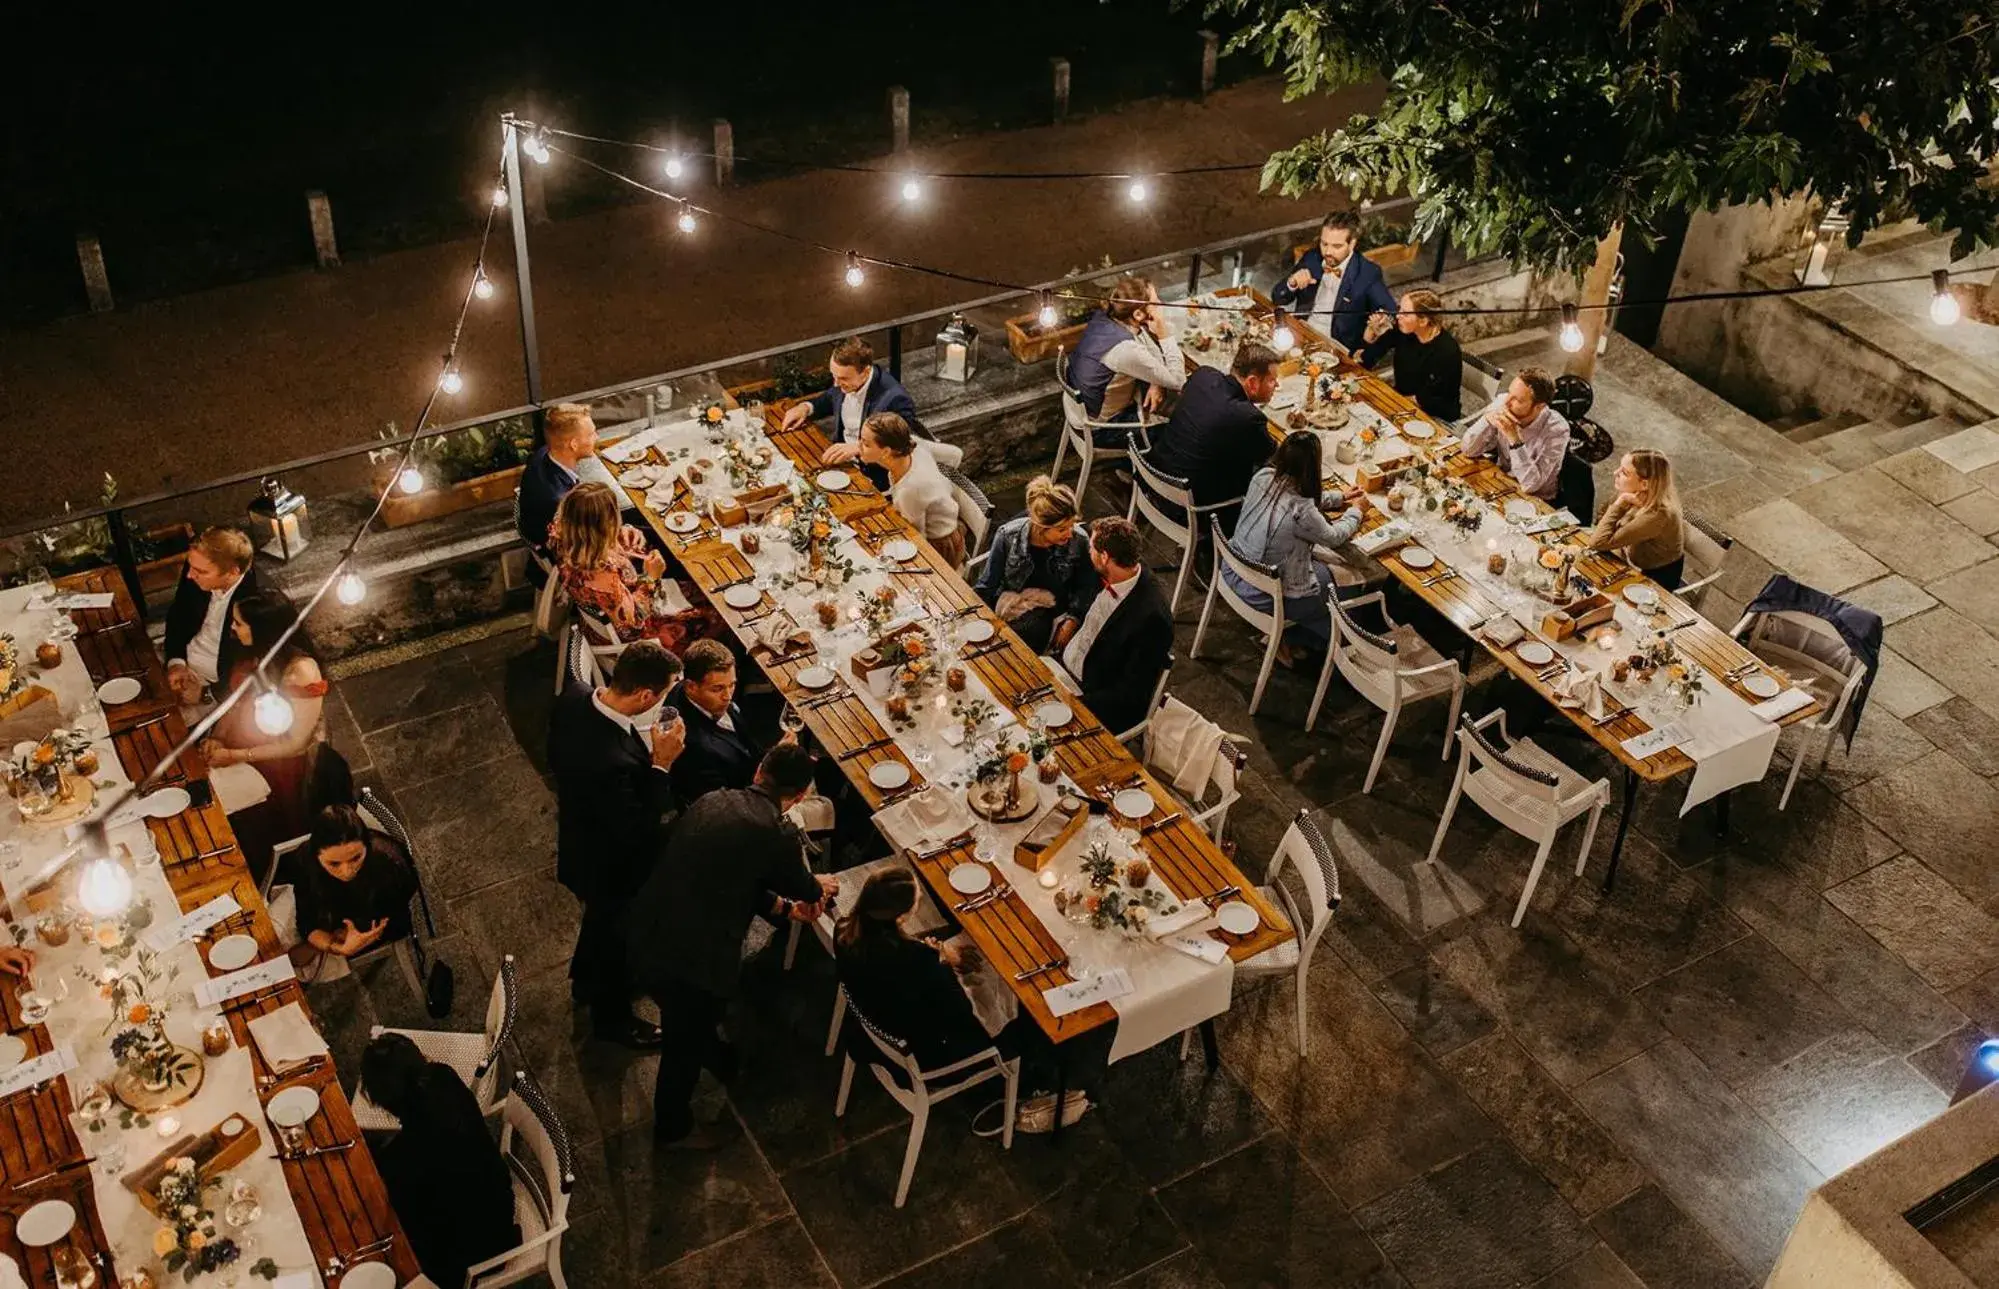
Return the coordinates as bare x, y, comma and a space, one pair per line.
585, 643
1151, 495
542, 1181
278, 852
1524, 788
1218, 787
1078, 431
407, 951
550, 601
1388, 671
1483, 381
975, 512
474, 1057
925, 1087
1270, 621
1705, 554
1812, 654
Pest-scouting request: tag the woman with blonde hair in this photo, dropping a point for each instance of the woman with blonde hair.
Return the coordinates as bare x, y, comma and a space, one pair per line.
598, 573
1644, 521
1038, 574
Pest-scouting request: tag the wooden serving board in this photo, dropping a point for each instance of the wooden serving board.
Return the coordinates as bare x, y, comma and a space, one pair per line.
213, 1152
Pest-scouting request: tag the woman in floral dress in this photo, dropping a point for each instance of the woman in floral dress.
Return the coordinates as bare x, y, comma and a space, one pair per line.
631, 592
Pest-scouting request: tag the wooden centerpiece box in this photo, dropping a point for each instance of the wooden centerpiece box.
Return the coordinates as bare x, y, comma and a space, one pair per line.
1578, 616
752, 504
1051, 832
219, 1149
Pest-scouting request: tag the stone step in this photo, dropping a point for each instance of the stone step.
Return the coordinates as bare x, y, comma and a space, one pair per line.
1853, 448
1820, 427
1918, 433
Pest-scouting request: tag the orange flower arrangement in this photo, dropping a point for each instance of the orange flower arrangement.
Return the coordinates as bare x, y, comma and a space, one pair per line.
1368, 434
140, 1014
45, 753
108, 935
715, 415
915, 646
1016, 760
1551, 558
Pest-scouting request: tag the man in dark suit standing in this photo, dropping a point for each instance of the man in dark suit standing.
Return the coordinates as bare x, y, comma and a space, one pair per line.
1333, 287
721, 751
1218, 435
860, 389
200, 648
1117, 652
732, 857
613, 791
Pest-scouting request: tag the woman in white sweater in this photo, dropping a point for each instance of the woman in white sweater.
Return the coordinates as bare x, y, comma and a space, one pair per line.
917, 486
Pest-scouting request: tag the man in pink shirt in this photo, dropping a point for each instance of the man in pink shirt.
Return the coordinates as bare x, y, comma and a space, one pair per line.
1523, 434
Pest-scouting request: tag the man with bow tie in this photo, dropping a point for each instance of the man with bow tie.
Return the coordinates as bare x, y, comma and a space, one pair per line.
1332, 288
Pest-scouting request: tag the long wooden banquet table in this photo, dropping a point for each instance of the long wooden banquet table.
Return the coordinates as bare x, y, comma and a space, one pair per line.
1013, 939
339, 1195
1467, 605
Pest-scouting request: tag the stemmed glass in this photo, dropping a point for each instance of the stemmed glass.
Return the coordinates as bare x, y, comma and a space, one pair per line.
791, 721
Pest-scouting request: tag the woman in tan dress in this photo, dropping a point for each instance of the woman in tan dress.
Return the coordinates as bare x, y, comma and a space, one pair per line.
1644, 521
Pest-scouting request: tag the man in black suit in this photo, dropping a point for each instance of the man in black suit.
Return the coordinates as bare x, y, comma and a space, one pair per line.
1218, 435
1117, 652
732, 857
721, 751
1334, 287
860, 388
612, 791
199, 646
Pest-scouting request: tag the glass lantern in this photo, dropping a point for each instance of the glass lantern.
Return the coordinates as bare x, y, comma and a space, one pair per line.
957, 350
279, 524
1821, 250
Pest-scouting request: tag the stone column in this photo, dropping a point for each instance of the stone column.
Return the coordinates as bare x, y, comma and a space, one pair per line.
725, 153
96, 282
1060, 68
898, 118
320, 210
1211, 48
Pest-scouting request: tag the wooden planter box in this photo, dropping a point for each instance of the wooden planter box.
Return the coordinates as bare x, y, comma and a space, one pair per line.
1028, 343
1395, 254
159, 576
402, 509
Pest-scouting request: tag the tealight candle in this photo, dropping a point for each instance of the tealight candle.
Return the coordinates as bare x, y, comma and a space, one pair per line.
167, 1126
1492, 543
1047, 878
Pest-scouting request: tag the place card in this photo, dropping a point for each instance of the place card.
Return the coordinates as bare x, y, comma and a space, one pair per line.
32, 1074
1100, 988
1205, 947
1559, 519
247, 981
1652, 742
189, 925
68, 601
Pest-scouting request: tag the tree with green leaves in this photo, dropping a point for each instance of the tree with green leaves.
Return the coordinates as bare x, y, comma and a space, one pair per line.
1541, 129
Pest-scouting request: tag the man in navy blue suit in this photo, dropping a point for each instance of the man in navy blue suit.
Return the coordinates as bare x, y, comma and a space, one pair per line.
568, 438
1333, 288
860, 389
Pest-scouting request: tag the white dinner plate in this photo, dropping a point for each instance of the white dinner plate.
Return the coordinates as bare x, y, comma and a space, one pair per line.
293, 1106
1520, 510
164, 804
970, 879
1763, 685
1054, 714
45, 1223
1417, 557
832, 480
232, 952
1641, 594
1417, 429
742, 596
1534, 653
12, 1051
369, 1275
1238, 918
977, 631
899, 550
639, 476
888, 774
815, 677
682, 521
1133, 803
122, 689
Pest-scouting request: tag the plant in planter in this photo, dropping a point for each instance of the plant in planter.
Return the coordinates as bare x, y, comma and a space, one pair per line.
1387, 242
466, 468
792, 378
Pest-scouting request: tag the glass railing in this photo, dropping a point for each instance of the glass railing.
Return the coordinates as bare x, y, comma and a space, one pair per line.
470, 464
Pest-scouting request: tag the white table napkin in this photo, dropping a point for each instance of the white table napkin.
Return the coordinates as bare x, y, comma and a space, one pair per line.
633, 448
1776, 709
926, 818
238, 786
286, 1037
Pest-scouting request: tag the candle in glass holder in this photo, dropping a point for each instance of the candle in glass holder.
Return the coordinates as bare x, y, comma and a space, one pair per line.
1047, 878
1606, 639
216, 1039
1495, 562
167, 1126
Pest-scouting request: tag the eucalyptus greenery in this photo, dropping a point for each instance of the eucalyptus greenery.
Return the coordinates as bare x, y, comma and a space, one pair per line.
1533, 129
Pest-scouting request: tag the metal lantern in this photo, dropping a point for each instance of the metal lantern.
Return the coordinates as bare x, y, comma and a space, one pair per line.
957, 350
279, 524
1820, 252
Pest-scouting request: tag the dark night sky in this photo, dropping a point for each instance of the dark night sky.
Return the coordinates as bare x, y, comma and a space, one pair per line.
188, 145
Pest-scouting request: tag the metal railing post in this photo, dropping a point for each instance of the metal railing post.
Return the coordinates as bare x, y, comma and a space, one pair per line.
127, 558
510, 152
1443, 249
895, 352
1194, 274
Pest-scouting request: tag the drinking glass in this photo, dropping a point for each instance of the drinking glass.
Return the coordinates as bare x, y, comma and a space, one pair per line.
922, 756
73, 1270
791, 721
985, 846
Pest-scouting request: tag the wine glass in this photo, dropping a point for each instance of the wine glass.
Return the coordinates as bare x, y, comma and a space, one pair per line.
791, 721
985, 846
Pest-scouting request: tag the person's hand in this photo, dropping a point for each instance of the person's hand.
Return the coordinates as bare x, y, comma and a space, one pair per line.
1300, 280
1013, 604
1153, 398
1509, 429
1378, 324
227, 756
186, 685
950, 953
353, 940
1063, 631
1353, 496
655, 565
838, 453
796, 414
799, 912
17, 962
631, 540
667, 743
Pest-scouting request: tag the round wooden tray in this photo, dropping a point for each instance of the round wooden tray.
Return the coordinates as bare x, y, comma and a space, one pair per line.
81, 794
125, 1085
988, 800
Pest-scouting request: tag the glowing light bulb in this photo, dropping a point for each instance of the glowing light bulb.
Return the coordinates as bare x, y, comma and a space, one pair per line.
537, 147
451, 382
855, 276
1572, 330
1138, 192
912, 189
410, 480
1047, 317
500, 197
1282, 339
686, 220
674, 167
350, 589
482, 286
273, 712
104, 888
1944, 309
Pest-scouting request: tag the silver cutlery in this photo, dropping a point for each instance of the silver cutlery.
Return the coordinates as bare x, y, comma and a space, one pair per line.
339, 1263
294, 1156
945, 847
1617, 715
978, 902
1226, 893
1435, 578
1157, 824
1029, 695
54, 1173
864, 748
839, 695
746, 578
1042, 970
284, 1074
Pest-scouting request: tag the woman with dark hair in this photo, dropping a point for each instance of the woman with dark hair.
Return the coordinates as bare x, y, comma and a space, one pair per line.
446, 1178
1281, 524
356, 885
301, 770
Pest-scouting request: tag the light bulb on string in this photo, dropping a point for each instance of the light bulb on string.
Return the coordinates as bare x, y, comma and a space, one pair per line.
272, 712
451, 382
536, 146
350, 589
855, 275
674, 167
482, 286
1282, 338
1572, 330
410, 480
686, 220
103, 888
1944, 309
912, 188
1047, 317
1137, 192
499, 197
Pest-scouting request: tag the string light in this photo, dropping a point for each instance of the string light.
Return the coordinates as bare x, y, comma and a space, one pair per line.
536, 146
499, 196
104, 888
912, 188
350, 589
1282, 338
482, 286
674, 167
273, 712
854, 274
1138, 192
410, 481
1572, 330
1047, 317
686, 220
451, 382
1944, 309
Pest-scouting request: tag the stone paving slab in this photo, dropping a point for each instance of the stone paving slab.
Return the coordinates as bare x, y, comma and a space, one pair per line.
1794, 540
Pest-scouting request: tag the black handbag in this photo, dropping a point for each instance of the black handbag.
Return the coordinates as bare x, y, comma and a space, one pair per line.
439, 984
